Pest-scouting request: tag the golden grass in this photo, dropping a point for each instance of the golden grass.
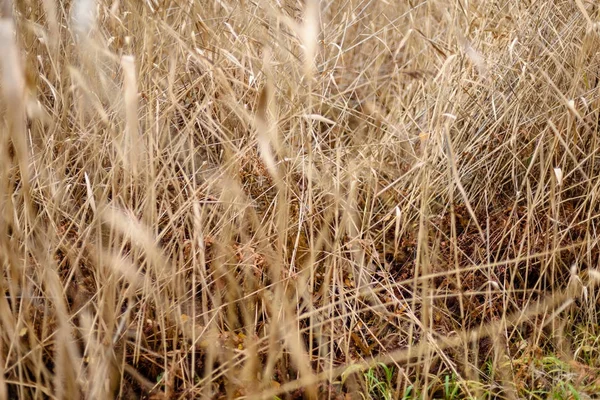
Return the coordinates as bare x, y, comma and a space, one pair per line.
223, 199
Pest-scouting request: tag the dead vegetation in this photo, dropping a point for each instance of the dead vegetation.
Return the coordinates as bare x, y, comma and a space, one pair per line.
287, 199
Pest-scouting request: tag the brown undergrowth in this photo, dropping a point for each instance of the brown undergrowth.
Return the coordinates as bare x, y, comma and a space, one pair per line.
299, 199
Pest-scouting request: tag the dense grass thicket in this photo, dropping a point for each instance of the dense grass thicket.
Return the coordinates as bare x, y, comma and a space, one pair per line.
272, 199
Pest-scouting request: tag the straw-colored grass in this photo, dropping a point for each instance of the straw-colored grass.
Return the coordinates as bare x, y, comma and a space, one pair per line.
286, 199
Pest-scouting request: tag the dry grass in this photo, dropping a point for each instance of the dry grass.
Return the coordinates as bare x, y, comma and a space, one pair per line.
268, 199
